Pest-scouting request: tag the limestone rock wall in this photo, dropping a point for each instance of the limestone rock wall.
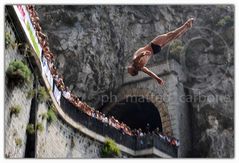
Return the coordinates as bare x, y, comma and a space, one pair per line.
93, 44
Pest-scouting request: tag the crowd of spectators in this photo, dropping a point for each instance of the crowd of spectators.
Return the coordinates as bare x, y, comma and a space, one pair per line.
58, 79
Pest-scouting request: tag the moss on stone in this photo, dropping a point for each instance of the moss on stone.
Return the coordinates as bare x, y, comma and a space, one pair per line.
40, 127
18, 142
15, 110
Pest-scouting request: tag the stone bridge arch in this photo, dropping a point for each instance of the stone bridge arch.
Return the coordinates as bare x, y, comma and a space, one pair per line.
157, 100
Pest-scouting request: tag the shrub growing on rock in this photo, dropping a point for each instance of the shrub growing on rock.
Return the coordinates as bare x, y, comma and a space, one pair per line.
51, 116
18, 73
31, 93
40, 127
42, 94
176, 49
225, 21
8, 40
15, 110
110, 149
30, 129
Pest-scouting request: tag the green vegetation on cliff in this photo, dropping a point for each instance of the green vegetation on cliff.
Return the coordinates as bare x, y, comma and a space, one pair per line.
110, 149
18, 73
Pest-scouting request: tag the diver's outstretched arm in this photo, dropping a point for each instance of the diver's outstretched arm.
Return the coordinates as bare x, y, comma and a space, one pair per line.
153, 75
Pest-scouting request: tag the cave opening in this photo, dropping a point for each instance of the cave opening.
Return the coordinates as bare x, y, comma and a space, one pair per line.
137, 112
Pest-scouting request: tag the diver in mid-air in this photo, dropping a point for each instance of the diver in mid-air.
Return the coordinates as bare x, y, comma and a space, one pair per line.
142, 55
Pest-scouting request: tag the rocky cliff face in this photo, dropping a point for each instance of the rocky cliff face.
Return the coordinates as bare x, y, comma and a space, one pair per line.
94, 44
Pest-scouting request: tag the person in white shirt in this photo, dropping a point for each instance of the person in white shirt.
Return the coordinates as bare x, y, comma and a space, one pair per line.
66, 93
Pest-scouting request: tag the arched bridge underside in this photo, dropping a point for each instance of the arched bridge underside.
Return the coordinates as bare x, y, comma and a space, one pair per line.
137, 105
138, 112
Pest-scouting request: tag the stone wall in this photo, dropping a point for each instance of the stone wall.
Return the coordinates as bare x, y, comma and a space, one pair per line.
15, 126
59, 140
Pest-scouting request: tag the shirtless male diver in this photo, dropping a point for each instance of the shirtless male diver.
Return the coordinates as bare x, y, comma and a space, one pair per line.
142, 55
